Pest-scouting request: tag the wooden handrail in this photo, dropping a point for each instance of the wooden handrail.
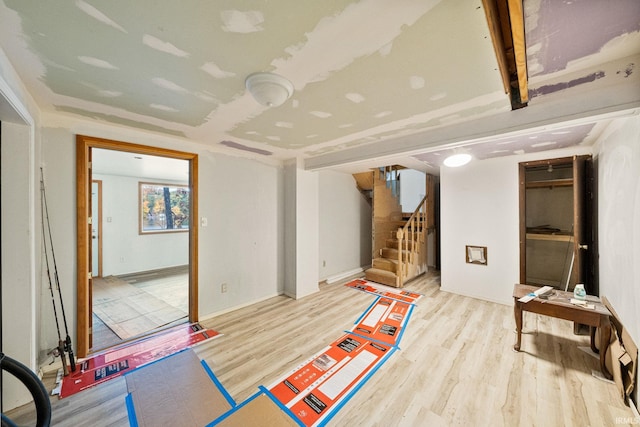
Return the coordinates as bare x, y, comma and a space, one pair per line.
415, 228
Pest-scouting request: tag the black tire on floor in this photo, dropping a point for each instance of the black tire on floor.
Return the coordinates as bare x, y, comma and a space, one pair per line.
35, 387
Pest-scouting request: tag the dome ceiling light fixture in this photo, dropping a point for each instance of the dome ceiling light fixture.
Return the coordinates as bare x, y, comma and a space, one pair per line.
457, 160
269, 89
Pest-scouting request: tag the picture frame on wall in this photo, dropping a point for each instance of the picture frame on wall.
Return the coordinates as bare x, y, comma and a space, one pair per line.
476, 254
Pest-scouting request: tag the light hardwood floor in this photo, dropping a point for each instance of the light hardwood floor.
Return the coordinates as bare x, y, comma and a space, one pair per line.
455, 365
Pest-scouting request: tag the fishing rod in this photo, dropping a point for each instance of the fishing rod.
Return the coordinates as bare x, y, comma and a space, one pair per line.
60, 348
63, 345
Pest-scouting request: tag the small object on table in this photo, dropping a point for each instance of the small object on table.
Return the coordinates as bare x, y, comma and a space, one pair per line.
579, 292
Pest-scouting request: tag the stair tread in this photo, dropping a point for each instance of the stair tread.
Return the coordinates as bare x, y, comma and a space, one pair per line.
381, 276
394, 250
389, 260
381, 272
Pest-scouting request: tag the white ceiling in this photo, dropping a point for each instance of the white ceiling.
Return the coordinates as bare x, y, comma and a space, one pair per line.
375, 81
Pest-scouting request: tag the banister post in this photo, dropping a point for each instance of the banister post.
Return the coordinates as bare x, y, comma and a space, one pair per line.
400, 269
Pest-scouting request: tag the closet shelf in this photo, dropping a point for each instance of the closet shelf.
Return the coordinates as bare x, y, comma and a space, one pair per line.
550, 183
551, 237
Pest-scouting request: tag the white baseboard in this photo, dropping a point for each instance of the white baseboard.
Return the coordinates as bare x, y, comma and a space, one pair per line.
345, 274
236, 307
480, 297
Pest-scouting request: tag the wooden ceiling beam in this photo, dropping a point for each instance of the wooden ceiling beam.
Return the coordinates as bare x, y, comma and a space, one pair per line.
505, 19
495, 29
516, 17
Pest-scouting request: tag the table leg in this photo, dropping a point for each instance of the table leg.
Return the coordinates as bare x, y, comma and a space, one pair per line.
592, 331
605, 338
517, 312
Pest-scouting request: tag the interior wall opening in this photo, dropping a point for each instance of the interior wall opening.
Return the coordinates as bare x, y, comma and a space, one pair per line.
137, 241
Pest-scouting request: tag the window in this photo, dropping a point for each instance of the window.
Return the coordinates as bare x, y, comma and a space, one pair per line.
163, 208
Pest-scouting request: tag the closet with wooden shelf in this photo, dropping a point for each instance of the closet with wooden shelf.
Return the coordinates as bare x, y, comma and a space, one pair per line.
556, 226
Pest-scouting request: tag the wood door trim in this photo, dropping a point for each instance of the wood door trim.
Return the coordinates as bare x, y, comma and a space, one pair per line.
99, 272
579, 220
84, 144
523, 166
523, 225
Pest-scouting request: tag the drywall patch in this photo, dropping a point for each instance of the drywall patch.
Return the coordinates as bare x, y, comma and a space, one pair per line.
206, 97
96, 14
356, 98
163, 108
563, 29
215, 71
162, 46
386, 49
99, 63
543, 144
169, 85
547, 89
102, 92
122, 62
332, 31
416, 82
320, 114
236, 21
238, 146
110, 118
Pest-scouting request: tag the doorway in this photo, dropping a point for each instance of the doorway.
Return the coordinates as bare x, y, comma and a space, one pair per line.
130, 252
556, 228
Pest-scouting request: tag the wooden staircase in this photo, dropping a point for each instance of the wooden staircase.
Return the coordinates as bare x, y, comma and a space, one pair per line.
404, 255
399, 239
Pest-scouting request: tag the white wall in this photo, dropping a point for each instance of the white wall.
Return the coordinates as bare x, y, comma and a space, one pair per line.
59, 173
479, 206
124, 250
618, 159
19, 292
290, 230
413, 186
345, 226
307, 236
243, 243
20, 229
301, 230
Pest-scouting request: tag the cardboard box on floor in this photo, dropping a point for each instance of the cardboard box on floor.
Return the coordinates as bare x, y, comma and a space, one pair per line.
259, 412
178, 391
175, 391
622, 356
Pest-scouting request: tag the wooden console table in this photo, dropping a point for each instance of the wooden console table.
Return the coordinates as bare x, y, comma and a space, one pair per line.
558, 305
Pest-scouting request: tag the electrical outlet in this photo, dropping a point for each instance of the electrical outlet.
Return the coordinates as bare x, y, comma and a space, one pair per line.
223, 288
324, 263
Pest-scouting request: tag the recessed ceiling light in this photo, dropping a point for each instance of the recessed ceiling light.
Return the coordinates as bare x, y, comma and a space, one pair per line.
456, 160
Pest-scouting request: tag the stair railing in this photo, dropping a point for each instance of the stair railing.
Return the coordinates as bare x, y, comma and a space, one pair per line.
413, 232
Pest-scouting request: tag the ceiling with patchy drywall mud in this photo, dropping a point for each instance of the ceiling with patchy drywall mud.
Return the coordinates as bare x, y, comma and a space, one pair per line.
373, 80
